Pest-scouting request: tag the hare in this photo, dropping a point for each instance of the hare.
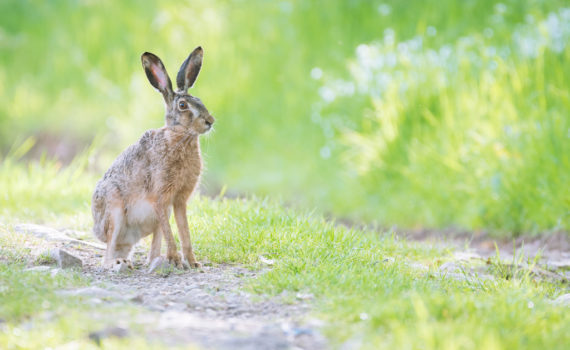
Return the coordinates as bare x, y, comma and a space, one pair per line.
136, 195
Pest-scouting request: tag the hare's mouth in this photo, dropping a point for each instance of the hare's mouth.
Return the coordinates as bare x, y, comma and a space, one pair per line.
208, 129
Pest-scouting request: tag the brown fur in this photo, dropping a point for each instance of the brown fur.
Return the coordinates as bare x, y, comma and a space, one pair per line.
157, 174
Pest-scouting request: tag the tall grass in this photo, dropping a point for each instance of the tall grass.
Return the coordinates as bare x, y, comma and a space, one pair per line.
474, 134
43, 190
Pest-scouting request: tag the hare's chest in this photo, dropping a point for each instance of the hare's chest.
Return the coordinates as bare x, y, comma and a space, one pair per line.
190, 175
181, 173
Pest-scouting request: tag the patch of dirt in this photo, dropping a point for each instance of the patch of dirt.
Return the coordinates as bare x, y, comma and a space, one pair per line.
62, 149
552, 250
480, 256
206, 308
548, 254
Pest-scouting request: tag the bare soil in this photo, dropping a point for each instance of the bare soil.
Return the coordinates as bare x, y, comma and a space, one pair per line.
552, 251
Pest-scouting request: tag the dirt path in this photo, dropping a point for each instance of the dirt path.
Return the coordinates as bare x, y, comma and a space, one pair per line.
552, 252
206, 308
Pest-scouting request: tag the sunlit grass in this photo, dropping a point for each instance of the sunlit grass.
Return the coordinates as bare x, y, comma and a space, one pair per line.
482, 149
368, 287
472, 133
36, 190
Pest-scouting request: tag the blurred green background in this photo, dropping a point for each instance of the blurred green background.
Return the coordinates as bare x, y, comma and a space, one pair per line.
411, 113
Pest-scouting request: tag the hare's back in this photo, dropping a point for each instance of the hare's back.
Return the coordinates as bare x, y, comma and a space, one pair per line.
132, 171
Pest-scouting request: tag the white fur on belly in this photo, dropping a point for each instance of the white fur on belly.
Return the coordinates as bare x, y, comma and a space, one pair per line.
140, 212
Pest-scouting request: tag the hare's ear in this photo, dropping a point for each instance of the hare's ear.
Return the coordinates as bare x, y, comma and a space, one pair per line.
156, 74
189, 70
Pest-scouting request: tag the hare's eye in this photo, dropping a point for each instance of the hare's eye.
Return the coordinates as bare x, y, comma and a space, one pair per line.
182, 105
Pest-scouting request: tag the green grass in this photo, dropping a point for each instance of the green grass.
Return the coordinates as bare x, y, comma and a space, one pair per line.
39, 184
468, 129
27, 293
367, 285
475, 138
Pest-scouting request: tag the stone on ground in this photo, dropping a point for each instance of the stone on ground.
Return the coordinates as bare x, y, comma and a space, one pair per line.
65, 260
159, 265
116, 332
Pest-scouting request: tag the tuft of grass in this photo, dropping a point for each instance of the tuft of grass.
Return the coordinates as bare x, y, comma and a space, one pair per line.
45, 258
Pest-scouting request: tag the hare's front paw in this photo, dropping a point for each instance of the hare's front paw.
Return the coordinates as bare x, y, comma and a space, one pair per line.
175, 259
121, 265
193, 263
190, 260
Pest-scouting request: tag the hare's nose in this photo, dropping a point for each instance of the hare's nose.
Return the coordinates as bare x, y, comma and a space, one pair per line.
210, 120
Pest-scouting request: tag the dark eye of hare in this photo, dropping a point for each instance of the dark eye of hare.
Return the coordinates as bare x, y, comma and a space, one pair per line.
182, 105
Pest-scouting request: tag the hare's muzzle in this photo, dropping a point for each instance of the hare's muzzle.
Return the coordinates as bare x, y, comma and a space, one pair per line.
210, 121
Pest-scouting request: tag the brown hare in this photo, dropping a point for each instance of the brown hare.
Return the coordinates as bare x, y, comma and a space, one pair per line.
157, 174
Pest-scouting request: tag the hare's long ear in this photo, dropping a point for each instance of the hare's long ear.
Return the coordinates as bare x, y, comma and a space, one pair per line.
156, 74
189, 70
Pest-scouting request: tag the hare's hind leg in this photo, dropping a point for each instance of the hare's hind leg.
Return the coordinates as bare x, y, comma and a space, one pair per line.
118, 251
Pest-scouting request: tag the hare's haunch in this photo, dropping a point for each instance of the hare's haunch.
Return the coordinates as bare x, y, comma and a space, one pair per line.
157, 174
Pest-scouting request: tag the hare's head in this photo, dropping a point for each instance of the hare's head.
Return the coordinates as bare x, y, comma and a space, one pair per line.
184, 112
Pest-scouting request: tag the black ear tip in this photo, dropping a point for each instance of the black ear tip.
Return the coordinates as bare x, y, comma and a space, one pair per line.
150, 55
145, 56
